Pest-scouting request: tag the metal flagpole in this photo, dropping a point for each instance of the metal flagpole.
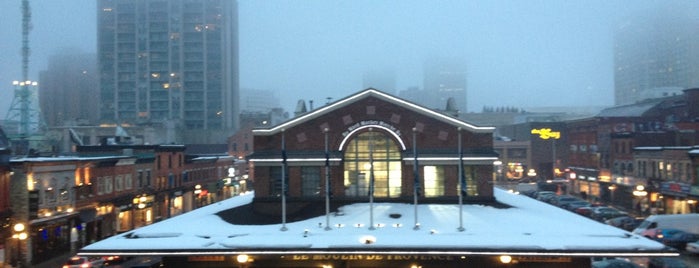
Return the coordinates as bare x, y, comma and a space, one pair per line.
283, 179
462, 183
416, 187
327, 182
371, 180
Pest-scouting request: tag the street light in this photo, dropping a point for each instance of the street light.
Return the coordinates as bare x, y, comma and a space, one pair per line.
640, 192
20, 235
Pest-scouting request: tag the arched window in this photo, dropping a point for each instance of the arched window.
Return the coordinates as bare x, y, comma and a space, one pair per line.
374, 154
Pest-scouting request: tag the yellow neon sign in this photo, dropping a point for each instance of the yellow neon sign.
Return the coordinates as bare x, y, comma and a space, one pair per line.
546, 133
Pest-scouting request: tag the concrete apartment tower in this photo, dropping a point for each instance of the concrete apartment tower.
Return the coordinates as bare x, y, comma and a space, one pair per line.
170, 62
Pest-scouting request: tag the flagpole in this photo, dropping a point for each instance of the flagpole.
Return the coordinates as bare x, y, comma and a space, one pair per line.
283, 183
327, 182
371, 180
416, 187
462, 184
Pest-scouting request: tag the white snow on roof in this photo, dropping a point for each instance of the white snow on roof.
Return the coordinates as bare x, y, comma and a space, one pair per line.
527, 225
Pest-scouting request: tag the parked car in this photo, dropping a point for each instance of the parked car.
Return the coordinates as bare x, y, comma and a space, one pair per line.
625, 222
684, 222
541, 195
111, 260
604, 213
562, 200
585, 211
692, 247
659, 233
666, 262
83, 262
679, 239
576, 204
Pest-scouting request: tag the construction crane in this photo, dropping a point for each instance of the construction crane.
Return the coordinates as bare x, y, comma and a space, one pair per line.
24, 116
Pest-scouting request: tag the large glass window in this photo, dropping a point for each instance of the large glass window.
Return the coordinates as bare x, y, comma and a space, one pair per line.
434, 181
470, 177
372, 154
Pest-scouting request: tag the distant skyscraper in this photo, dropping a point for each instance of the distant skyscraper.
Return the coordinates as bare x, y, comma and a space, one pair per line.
68, 90
257, 100
444, 78
381, 79
170, 61
656, 53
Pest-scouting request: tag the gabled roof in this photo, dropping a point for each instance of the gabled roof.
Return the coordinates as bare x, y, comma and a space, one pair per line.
367, 93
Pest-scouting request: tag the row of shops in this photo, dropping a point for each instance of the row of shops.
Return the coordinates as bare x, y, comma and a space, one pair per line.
641, 197
58, 221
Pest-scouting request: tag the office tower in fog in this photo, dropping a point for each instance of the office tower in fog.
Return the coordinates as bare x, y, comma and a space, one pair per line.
656, 54
445, 78
172, 61
68, 89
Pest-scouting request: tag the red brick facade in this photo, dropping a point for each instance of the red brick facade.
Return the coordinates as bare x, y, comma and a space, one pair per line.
436, 137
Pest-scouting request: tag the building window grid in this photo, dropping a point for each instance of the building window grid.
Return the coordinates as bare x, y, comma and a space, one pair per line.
310, 181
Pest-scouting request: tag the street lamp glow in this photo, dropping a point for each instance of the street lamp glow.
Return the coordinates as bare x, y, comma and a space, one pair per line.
19, 227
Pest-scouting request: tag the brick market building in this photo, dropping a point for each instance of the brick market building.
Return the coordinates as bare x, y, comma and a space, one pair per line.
371, 141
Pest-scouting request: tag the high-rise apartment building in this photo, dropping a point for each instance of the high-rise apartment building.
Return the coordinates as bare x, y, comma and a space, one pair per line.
656, 54
170, 61
444, 78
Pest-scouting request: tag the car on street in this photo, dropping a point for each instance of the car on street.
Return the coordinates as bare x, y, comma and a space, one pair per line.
666, 262
625, 222
576, 204
562, 200
679, 239
542, 195
659, 234
585, 211
604, 213
692, 247
83, 262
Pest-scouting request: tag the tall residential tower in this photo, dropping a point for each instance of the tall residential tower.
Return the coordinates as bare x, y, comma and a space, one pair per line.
170, 61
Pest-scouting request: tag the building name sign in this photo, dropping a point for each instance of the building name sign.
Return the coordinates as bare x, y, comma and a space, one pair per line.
371, 123
370, 257
546, 133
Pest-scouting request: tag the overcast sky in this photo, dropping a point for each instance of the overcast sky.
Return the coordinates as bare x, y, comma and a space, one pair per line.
518, 53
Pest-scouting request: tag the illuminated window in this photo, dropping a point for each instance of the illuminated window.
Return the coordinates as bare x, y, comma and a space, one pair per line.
372, 154
434, 181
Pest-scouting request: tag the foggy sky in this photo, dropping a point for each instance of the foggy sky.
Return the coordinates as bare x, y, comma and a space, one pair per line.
518, 53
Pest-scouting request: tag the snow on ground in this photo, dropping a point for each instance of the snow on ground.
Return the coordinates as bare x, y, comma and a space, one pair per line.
527, 225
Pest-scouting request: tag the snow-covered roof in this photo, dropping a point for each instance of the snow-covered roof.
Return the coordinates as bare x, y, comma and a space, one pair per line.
527, 226
371, 92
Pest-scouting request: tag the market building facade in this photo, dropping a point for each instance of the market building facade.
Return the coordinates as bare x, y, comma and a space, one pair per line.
371, 144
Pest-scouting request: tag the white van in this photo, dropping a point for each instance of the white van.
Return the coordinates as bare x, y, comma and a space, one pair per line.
685, 222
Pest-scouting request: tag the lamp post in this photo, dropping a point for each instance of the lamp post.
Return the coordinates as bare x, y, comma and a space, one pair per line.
640, 192
19, 234
611, 188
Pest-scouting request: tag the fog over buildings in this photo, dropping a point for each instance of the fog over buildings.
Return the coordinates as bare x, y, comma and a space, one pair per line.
516, 53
